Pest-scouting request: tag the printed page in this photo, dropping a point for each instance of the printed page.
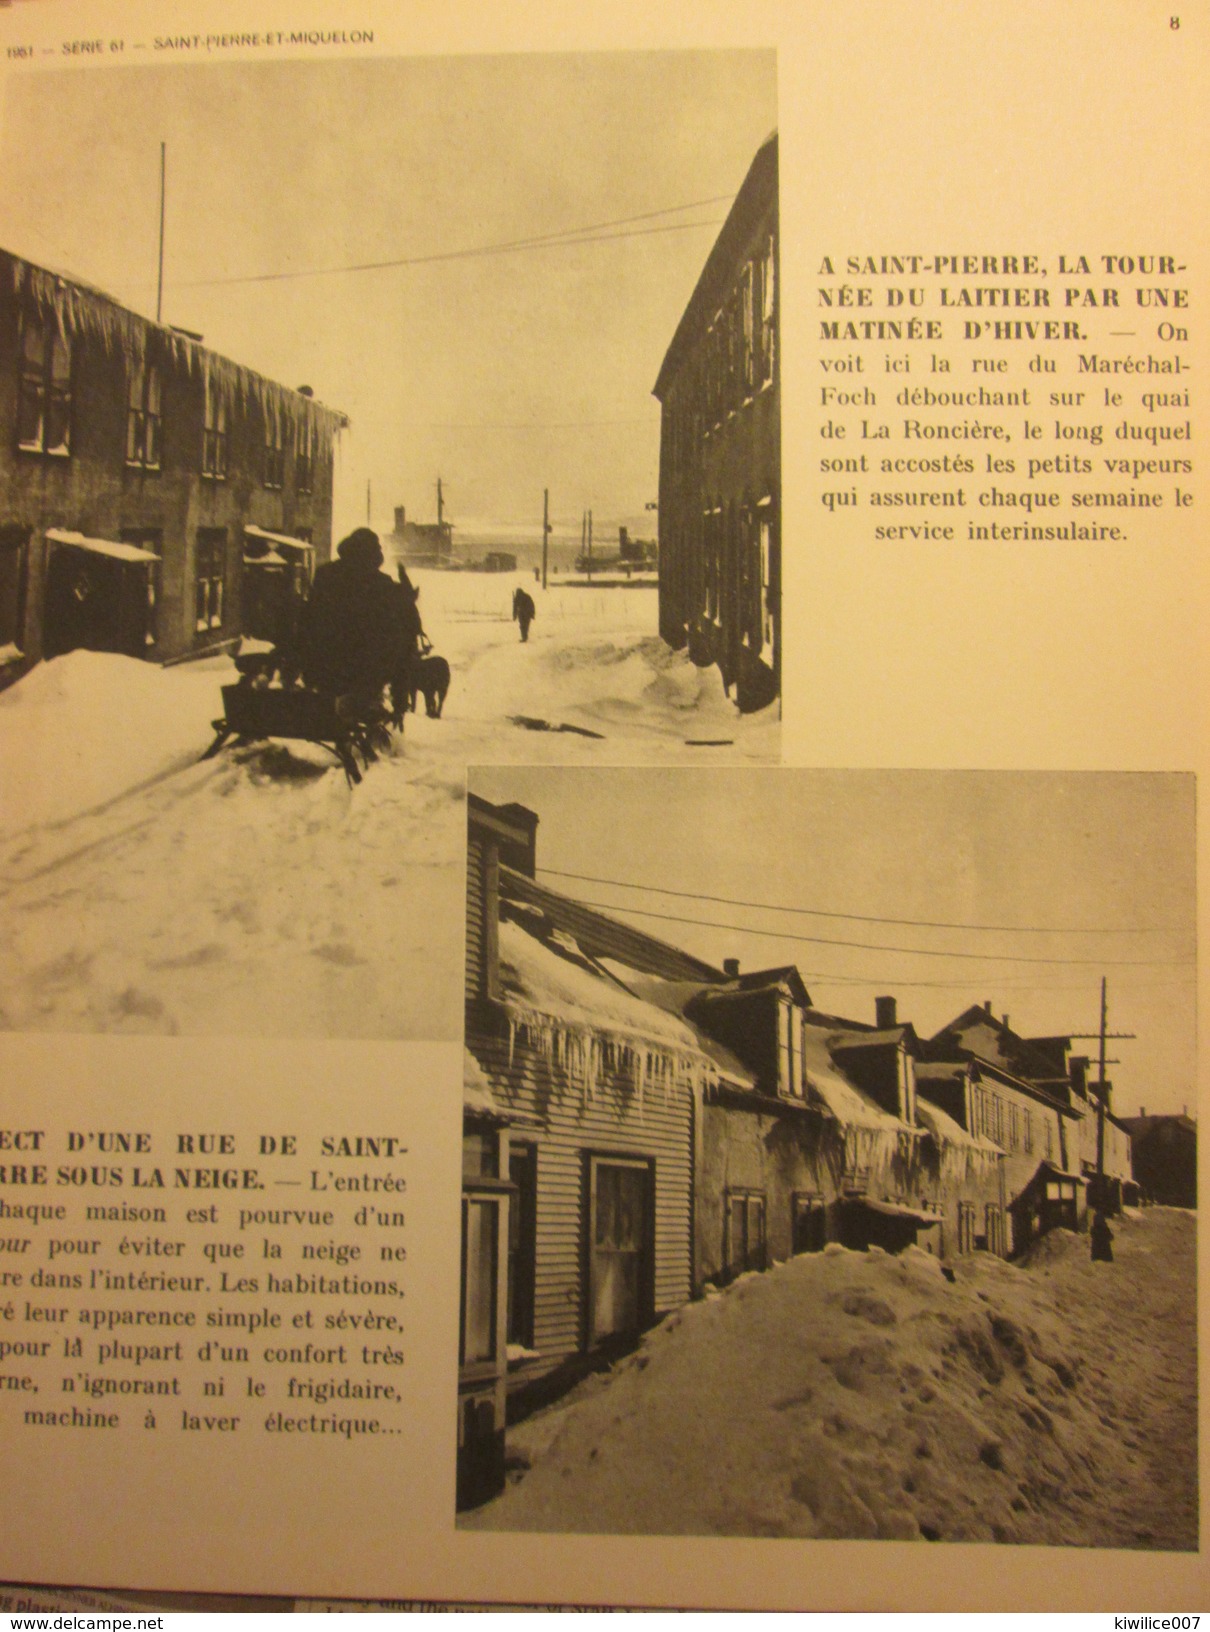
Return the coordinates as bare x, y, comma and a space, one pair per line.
601, 686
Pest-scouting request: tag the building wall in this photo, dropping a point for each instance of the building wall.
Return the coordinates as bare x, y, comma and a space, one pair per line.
720, 455
776, 1151
94, 490
1165, 1159
567, 1122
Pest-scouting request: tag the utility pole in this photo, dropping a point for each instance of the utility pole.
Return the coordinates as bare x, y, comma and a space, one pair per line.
440, 504
367, 501
590, 546
159, 288
1100, 1229
545, 529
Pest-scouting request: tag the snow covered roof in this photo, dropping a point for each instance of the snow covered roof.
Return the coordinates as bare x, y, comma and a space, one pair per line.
100, 546
845, 1101
78, 308
479, 1100
945, 1130
538, 980
889, 1036
673, 995
277, 538
894, 1209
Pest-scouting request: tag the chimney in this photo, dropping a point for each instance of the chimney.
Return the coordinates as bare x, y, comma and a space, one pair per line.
1142, 1110
884, 1013
1004, 1022
987, 1004
731, 968
401, 516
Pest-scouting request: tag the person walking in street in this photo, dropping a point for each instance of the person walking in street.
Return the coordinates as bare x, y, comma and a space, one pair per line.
523, 611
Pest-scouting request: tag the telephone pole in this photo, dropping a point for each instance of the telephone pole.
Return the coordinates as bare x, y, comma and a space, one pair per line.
159, 288
1102, 1035
545, 529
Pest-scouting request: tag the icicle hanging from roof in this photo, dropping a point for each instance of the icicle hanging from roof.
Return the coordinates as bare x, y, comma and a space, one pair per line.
582, 1053
79, 310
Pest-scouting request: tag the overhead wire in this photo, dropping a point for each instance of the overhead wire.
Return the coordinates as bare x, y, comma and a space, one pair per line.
593, 233
874, 946
863, 918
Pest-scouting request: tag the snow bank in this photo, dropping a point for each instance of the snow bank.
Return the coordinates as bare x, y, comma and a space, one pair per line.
86, 727
849, 1395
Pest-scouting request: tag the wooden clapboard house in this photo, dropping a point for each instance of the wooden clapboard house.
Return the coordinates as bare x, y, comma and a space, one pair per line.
578, 1135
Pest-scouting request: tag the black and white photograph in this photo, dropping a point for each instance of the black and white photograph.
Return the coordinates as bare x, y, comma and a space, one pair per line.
360, 420
830, 1156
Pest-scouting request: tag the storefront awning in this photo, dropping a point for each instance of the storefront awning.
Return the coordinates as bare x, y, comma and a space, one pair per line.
252, 531
895, 1209
100, 546
269, 559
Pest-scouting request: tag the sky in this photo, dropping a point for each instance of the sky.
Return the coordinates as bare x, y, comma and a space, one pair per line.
503, 373
1093, 871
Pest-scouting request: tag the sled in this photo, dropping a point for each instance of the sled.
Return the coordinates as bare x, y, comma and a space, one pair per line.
252, 713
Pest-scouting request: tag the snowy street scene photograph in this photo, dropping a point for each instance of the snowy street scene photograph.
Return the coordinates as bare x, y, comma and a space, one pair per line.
772, 1225
361, 420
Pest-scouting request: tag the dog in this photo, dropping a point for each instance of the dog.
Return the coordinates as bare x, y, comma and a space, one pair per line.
259, 669
428, 677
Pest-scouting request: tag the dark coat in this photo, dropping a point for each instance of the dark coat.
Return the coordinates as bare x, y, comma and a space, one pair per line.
352, 636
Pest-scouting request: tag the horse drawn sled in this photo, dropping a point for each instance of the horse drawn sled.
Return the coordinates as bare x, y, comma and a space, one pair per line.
255, 709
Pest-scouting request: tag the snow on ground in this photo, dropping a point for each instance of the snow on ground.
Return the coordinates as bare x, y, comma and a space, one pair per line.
850, 1395
255, 893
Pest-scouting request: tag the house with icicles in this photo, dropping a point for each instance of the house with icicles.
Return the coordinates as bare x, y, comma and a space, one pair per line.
638, 1124
1064, 1150
156, 499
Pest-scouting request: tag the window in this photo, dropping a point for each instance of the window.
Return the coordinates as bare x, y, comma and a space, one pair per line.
966, 1226
209, 576
764, 510
522, 1243
148, 538
275, 452
790, 1073
1014, 1114
749, 298
809, 1231
768, 296
304, 455
480, 1153
481, 1221
621, 1196
744, 1247
214, 433
44, 389
143, 415
907, 1085
1028, 1131
14, 568
995, 1229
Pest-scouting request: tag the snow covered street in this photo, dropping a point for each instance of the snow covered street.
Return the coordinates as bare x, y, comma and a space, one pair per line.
255, 893
850, 1395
